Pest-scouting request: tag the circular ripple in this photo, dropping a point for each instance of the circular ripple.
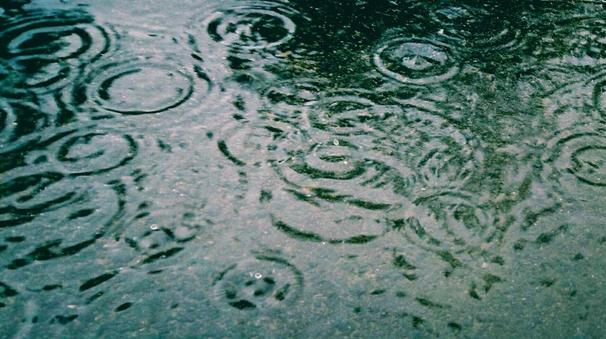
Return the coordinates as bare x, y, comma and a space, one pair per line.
92, 152
58, 215
251, 27
415, 61
349, 163
335, 159
449, 223
582, 155
139, 86
349, 113
253, 144
438, 154
45, 50
476, 28
287, 102
340, 185
261, 284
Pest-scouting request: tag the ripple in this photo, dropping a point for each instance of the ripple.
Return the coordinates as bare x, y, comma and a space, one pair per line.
348, 112
599, 97
92, 152
59, 216
294, 93
583, 38
438, 153
449, 223
415, 61
145, 85
255, 143
22, 121
47, 49
261, 284
580, 154
6, 120
255, 26
477, 28
335, 159
341, 184
20, 196
160, 234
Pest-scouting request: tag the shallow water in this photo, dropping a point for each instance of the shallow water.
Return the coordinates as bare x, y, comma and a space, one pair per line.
302, 168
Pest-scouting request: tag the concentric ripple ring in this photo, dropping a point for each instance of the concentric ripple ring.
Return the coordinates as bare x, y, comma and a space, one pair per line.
415, 61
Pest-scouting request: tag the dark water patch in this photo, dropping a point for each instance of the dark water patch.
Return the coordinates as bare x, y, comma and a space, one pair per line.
64, 319
7, 291
97, 281
162, 255
19, 121
223, 148
124, 307
294, 93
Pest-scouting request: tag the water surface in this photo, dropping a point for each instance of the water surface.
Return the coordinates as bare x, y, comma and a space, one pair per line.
302, 168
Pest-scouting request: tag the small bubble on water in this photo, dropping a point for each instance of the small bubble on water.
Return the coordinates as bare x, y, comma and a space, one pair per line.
335, 142
258, 275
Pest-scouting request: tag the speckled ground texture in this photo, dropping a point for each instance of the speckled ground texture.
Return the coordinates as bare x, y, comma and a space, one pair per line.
302, 168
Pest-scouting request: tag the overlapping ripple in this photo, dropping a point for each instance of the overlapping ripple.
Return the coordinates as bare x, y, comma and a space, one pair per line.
66, 215
256, 25
92, 152
577, 156
45, 50
348, 112
477, 28
19, 121
450, 224
438, 154
321, 174
584, 37
400, 168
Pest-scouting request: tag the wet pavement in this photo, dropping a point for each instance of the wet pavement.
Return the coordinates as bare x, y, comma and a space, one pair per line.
302, 169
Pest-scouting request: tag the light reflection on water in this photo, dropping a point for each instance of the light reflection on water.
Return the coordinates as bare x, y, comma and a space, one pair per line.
302, 168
